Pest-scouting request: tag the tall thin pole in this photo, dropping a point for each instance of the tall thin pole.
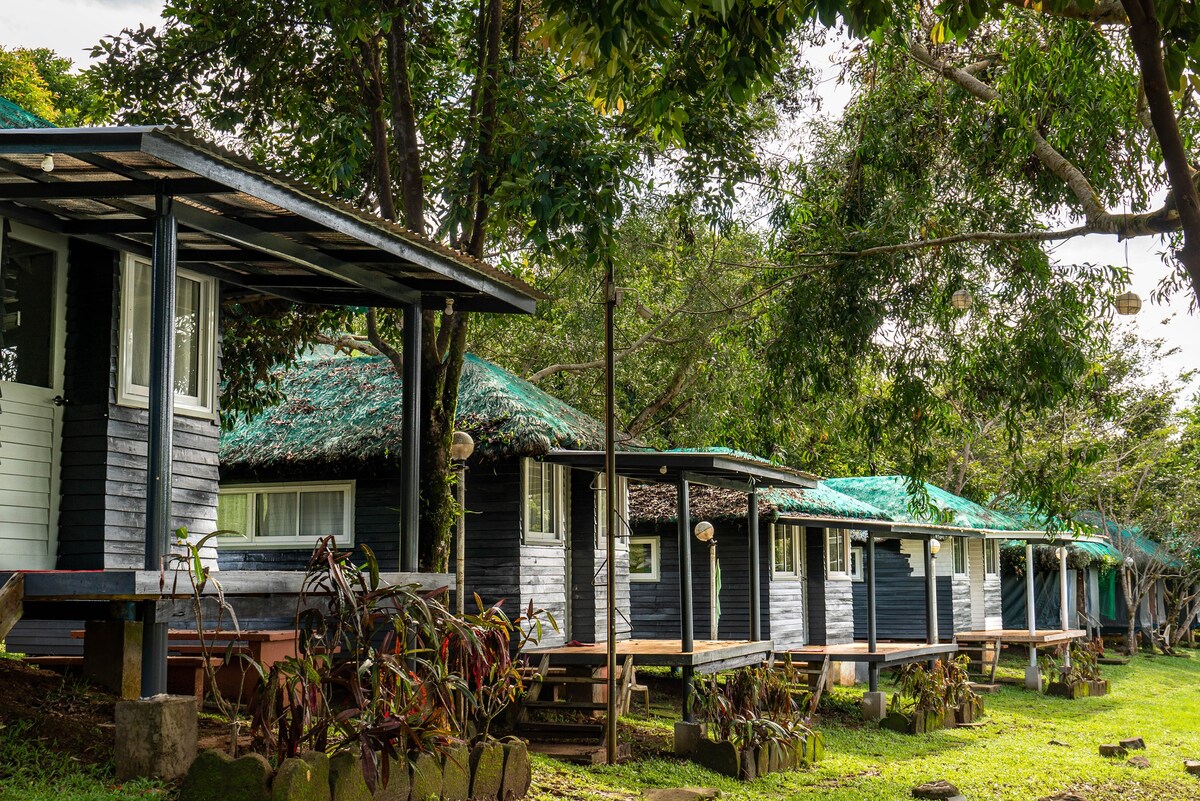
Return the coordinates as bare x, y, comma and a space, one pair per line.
410, 438
1030, 611
610, 501
159, 439
683, 514
931, 629
460, 544
1063, 617
872, 645
713, 601
755, 570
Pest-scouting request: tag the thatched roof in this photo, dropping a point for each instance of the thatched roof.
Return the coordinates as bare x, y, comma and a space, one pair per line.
14, 117
655, 503
890, 493
1081, 555
341, 411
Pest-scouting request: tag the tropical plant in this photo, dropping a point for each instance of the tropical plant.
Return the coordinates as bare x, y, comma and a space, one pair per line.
933, 691
749, 706
1084, 664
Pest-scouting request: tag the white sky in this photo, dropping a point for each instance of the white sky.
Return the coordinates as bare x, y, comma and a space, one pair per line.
72, 27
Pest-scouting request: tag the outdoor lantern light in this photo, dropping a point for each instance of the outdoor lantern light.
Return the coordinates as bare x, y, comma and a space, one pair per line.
704, 531
1060, 552
48, 163
462, 446
1128, 303
934, 546
961, 299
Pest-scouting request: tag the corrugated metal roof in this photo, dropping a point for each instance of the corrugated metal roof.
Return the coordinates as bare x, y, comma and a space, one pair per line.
13, 116
890, 493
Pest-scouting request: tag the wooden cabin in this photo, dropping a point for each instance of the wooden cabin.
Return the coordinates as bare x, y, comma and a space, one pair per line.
121, 250
807, 558
330, 450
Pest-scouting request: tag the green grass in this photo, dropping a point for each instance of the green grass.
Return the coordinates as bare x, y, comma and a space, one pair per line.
31, 771
1009, 759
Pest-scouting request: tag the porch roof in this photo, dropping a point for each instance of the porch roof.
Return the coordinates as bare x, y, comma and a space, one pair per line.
255, 229
716, 467
948, 513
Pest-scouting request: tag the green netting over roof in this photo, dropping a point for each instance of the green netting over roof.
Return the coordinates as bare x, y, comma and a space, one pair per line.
348, 411
13, 116
890, 493
1140, 546
1080, 554
820, 501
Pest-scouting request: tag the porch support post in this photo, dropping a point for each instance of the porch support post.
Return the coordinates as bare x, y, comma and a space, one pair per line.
755, 574
872, 644
931, 626
686, 635
1063, 617
1033, 678
410, 439
161, 420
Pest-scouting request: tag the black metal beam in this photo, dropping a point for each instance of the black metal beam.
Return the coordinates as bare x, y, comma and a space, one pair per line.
72, 140
159, 439
755, 572
687, 634
410, 439
102, 226
710, 480
65, 190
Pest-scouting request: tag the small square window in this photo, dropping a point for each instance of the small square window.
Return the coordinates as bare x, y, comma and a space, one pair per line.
195, 339
644, 558
837, 551
786, 541
991, 557
959, 547
544, 502
286, 515
856, 564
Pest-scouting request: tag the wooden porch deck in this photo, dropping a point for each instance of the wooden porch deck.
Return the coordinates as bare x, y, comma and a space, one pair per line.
886, 654
706, 656
1021, 636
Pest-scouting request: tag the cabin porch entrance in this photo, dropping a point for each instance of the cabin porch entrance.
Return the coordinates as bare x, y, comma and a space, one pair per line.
32, 303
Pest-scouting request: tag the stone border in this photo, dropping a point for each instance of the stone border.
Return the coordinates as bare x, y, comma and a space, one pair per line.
494, 771
1078, 689
748, 763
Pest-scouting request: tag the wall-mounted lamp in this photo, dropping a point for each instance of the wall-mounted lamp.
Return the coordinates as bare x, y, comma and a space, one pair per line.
704, 531
934, 546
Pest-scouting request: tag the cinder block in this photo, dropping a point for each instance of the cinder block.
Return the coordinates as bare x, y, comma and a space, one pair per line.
156, 737
1033, 678
874, 706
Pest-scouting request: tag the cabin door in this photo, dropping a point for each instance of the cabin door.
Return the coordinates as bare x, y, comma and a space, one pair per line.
32, 301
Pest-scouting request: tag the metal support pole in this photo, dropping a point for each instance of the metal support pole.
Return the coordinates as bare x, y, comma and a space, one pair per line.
410, 440
686, 632
1063, 617
931, 626
755, 568
159, 438
712, 590
1030, 612
610, 503
460, 544
872, 641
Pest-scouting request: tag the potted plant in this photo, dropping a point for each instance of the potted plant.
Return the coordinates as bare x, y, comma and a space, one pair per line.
1079, 679
933, 698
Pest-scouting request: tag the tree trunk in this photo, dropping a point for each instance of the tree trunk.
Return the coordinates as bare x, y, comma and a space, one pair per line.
1131, 611
1081, 583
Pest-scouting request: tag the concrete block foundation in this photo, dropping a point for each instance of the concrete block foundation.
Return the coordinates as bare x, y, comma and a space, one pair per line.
156, 737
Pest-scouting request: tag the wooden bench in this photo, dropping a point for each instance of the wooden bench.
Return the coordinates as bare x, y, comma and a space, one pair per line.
185, 674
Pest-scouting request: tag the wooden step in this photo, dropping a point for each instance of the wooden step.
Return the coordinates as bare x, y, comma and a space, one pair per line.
565, 705
984, 687
551, 730
580, 753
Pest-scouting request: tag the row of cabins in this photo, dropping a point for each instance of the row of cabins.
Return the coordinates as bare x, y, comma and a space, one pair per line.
110, 441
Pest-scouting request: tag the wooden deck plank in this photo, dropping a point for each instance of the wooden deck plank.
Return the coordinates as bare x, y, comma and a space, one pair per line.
666, 653
886, 653
1022, 636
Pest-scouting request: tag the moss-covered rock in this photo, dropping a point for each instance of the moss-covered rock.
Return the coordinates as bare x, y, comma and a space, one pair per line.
487, 771
346, 782
721, 757
456, 774
216, 776
302, 778
398, 783
517, 775
426, 778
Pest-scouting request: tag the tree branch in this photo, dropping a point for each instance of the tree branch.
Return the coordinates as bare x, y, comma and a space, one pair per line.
1102, 12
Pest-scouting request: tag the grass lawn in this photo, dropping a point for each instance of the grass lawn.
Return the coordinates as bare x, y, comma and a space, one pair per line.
1010, 758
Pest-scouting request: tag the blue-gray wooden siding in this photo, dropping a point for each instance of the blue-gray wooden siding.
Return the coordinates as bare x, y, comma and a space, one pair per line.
900, 599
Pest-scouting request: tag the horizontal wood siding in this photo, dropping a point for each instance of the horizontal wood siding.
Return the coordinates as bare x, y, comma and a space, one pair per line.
494, 535
993, 605
589, 568
961, 592
900, 598
654, 605
814, 561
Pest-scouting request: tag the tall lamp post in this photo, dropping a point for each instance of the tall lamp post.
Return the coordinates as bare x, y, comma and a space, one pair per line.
704, 532
461, 448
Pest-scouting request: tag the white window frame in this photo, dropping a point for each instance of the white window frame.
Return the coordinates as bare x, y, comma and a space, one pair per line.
599, 518
958, 546
203, 404
857, 554
796, 540
991, 557
845, 548
655, 544
558, 488
250, 541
